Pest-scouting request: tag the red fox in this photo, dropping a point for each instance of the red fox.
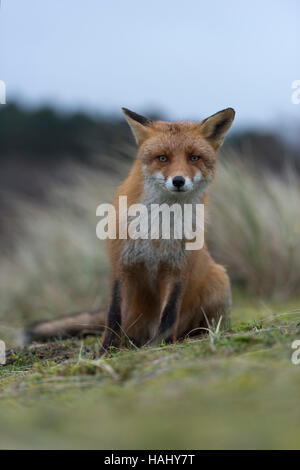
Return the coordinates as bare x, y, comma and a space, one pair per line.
159, 289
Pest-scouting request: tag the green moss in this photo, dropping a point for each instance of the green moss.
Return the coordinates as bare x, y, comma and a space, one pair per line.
237, 389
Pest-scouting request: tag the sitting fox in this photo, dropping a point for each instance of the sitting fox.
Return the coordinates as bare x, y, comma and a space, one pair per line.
159, 289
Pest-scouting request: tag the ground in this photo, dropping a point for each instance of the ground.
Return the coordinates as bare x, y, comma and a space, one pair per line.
231, 389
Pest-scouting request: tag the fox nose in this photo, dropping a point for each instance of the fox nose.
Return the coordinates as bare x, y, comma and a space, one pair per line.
178, 181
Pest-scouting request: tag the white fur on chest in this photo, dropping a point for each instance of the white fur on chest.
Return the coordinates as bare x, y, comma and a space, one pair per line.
153, 253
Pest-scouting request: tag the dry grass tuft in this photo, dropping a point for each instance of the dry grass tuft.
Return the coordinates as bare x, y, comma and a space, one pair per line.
255, 228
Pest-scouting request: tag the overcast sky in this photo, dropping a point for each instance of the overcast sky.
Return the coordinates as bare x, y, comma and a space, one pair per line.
187, 58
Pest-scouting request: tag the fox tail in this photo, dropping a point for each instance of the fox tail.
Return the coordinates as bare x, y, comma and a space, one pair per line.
74, 324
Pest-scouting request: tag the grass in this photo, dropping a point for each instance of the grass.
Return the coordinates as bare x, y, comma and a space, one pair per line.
238, 391
229, 389
255, 227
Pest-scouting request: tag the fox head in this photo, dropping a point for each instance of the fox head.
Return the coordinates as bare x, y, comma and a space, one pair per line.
179, 157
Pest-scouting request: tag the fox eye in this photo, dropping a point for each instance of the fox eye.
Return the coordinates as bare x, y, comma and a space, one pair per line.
162, 158
194, 158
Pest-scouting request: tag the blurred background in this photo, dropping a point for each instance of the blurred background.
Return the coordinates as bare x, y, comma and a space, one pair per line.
64, 146
68, 67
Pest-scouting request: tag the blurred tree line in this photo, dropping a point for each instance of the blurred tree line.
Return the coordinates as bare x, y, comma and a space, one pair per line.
45, 133
37, 142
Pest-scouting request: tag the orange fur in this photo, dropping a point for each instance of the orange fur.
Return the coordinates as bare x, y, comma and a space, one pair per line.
204, 285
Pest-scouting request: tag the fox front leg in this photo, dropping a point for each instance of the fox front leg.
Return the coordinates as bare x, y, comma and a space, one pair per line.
112, 335
169, 316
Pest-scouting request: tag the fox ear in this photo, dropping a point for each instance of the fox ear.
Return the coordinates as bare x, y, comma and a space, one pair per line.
139, 125
216, 126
